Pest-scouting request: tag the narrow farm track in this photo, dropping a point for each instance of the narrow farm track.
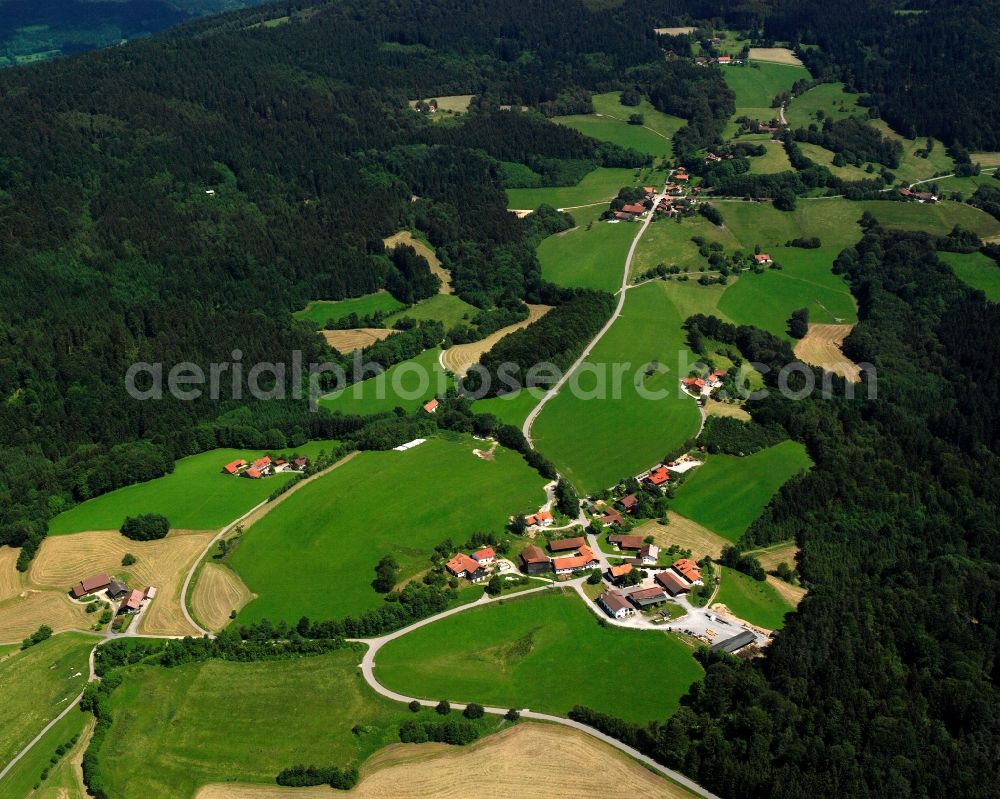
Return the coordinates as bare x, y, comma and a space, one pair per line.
528, 422
375, 644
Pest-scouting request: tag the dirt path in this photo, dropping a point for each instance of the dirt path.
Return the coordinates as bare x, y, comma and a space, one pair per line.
407, 237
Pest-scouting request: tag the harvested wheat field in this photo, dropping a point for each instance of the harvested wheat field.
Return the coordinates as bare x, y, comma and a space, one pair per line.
529, 761
346, 341
822, 347
218, 592
406, 237
783, 553
715, 408
22, 615
790, 593
776, 55
63, 560
673, 31
686, 534
461, 357
11, 583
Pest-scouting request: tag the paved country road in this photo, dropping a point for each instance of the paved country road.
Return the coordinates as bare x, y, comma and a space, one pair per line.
375, 644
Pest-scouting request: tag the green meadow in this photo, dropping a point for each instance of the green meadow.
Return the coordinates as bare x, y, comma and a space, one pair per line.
35, 686
408, 385
175, 729
610, 123
62, 781
805, 280
774, 160
977, 270
937, 219
319, 312
728, 493
824, 157
447, 309
830, 98
913, 167
315, 553
545, 652
585, 258
757, 84
195, 496
512, 408
601, 185
751, 600
597, 441
668, 241
967, 186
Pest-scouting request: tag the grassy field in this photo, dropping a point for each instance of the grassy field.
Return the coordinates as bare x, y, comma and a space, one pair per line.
824, 157
447, 309
834, 221
408, 384
912, 167
756, 602
315, 554
195, 496
319, 312
511, 408
178, 728
977, 270
805, 281
546, 652
36, 684
610, 123
601, 185
830, 98
595, 442
756, 85
728, 493
967, 186
937, 219
590, 259
774, 160
62, 781
668, 241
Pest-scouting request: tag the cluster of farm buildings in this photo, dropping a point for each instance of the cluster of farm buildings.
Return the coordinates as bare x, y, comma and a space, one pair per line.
703, 386
130, 600
918, 196
264, 467
680, 578
474, 567
671, 205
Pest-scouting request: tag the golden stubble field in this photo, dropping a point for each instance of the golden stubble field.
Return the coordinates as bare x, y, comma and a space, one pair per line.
685, 533
217, 593
406, 237
461, 357
822, 346
355, 338
529, 761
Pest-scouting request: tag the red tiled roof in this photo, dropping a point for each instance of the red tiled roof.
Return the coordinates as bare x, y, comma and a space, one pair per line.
431, 405
262, 462
132, 600
95, 583
688, 569
762, 257
612, 516
233, 466
543, 516
484, 554
634, 208
620, 571
626, 541
580, 561
253, 472
658, 476
461, 563
682, 178
563, 544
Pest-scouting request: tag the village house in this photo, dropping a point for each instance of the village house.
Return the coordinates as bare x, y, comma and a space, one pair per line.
762, 258
233, 467
461, 565
724, 59
681, 177
534, 561
695, 385
431, 406
485, 556
264, 464
541, 519
300, 463
612, 518
96, 583
628, 503
585, 560
688, 570
645, 597
617, 572
626, 541
117, 589
253, 473
658, 477
565, 544
614, 605
649, 554
635, 209
151, 592
132, 603
672, 583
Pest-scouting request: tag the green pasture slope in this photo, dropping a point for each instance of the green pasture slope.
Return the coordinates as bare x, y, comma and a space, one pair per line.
591, 259
728, 493
315, 554
195, 496
62, 782
36, 684
668, 241
596, 442
601, 185
543, 651
178, 728
752, 600
447, 309
977, 270
774, 160
610, 123
757, 83
408, 385
830, 98
825, 157
319, 312
510, 408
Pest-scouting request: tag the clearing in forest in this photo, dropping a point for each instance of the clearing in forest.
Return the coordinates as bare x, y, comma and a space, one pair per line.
460, 357
775, 55
976, 269
217, 593
422, 248
345, 341
823, 346
320, 312
754, 601
527, 761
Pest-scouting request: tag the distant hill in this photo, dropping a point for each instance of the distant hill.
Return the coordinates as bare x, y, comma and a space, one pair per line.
36, 30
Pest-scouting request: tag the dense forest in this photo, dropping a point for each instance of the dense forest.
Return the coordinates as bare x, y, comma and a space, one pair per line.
884, 681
